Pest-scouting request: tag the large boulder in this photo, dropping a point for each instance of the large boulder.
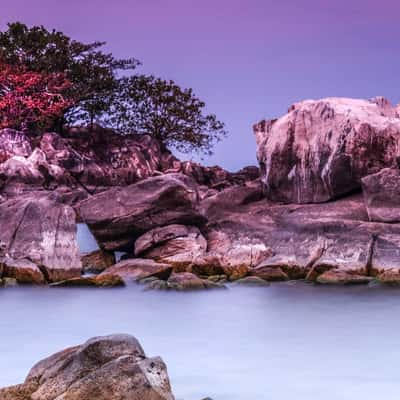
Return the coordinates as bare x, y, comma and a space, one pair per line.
103, 368
321, 149
178, 245
41, 230
119, 216
382, 195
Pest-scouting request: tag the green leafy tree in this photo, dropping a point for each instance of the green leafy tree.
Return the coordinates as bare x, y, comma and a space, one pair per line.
162, 109
101, 91
92, 72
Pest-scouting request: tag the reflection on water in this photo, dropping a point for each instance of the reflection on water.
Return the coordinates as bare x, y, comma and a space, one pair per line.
282, 342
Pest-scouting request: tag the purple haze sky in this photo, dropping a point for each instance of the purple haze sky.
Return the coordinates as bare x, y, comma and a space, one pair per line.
247, 59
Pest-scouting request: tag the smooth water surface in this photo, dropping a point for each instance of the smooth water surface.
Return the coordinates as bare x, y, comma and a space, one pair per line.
283, 342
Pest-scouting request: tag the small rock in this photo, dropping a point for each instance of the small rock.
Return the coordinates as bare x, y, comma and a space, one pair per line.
269, 273
97, 261
338, 277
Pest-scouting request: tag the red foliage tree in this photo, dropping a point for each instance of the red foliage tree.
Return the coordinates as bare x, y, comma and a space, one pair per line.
32, 100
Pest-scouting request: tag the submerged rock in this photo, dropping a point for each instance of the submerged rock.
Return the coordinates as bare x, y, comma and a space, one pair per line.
339, 277
103, 368
135, 269
252, 281
321, 149
87, 281
182, 281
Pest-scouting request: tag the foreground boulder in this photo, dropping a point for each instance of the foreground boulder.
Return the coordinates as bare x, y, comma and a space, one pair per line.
103, 368
321, 149
118, 217
38, 229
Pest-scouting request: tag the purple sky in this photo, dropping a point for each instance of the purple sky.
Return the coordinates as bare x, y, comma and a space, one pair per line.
247, 59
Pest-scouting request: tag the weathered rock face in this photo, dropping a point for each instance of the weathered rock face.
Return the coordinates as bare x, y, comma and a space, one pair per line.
280, 242
118, 217
382, 195
321, 149
38, 229
104, 368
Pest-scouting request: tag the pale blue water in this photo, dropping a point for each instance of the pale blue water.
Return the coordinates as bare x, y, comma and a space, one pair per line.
283, 342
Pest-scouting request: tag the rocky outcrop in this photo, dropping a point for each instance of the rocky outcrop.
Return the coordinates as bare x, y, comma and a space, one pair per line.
382, 195
103, 368
84, 162
320, 150
38, 239
118, 217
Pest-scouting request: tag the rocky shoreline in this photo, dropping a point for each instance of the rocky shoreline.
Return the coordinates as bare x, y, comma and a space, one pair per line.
323, 207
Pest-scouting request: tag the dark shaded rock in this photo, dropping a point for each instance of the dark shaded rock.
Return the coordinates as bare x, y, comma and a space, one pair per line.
97, 261
187, 281
382, 195
103, 368
321, 149
37, 227
135, 269
119, 216
232, 197
97, 281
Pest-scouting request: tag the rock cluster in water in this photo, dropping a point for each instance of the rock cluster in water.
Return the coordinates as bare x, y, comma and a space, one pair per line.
103, 368
324, 206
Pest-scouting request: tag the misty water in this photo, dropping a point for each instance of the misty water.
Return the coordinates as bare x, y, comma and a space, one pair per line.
283, 342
